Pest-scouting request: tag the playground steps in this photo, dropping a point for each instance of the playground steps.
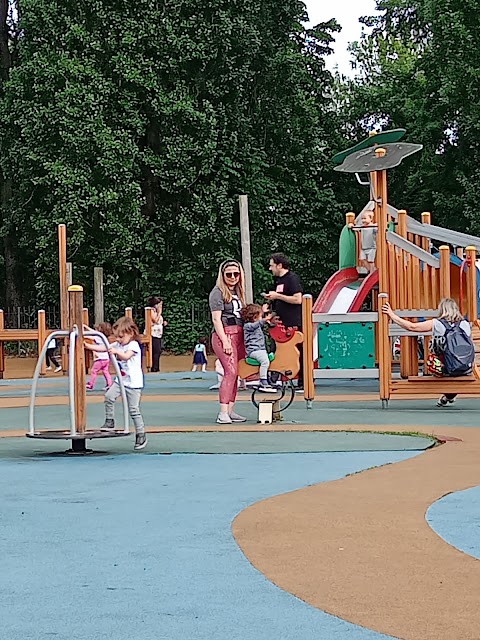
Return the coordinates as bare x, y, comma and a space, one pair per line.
466, 385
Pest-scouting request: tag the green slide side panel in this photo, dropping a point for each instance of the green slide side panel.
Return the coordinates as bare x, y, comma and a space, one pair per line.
347, 245
384, 137
346, 345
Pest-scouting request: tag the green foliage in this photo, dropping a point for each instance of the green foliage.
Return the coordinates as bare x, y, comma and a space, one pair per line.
419, 70
138, 124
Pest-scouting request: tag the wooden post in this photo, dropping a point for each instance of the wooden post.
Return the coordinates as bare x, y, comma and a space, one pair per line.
350, 218
403, 296
129, 312
381, 215
307, 328
246, 252
62, 269
444, 271
384, 351
98, 305
2, 346
75, 304
148, 333
472, 301
69, 272
42, 336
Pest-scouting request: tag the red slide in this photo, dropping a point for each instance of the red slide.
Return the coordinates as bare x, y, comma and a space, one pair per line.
333, 286
368, 284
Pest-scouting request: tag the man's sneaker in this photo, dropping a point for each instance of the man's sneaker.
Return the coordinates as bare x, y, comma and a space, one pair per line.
109, 425
140, 441
49, 368
58, 369
235, 417
265, 387
443, 401
224, 418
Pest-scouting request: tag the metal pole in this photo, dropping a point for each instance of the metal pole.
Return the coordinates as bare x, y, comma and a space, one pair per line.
246, 252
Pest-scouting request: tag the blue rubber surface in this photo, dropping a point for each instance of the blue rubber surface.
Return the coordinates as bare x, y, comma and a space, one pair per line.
140, 547
456, 519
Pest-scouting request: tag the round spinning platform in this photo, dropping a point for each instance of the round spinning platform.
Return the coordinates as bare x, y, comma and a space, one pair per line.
64, 434
78, 440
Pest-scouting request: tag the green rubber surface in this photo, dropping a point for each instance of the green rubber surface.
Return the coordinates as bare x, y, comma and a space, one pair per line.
230, 443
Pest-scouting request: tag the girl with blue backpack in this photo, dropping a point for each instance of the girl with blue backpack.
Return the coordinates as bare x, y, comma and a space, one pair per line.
452, 352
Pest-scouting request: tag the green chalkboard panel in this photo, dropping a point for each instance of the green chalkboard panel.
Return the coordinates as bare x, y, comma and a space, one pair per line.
346, 345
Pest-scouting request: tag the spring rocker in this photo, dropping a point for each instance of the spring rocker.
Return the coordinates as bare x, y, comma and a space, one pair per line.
78, 432
411, 275
286, 364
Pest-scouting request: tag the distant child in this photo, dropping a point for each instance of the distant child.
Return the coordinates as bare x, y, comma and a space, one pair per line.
51, 358
101, 358
255, 341
242, 385
129, 355
368, 249
219, 371
200, 355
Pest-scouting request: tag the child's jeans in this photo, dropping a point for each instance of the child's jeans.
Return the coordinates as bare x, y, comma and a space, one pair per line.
262, 356
103, 366
133, 399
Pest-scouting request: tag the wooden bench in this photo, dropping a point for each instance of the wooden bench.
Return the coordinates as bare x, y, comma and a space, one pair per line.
420, 385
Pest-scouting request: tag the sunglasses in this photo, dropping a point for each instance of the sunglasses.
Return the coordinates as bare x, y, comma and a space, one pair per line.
232, 274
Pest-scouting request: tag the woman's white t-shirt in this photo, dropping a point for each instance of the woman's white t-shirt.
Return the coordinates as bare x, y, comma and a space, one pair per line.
132, 374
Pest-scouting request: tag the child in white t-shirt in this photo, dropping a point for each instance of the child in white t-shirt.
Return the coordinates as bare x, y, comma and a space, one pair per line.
128, 352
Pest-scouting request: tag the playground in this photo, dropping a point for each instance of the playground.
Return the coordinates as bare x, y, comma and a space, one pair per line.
348, 512
170, 543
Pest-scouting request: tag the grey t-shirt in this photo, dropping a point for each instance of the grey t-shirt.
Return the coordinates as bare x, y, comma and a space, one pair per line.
369, 238
254, 336
230, 310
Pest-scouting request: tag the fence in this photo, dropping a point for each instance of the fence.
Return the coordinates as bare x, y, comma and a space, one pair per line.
182, 331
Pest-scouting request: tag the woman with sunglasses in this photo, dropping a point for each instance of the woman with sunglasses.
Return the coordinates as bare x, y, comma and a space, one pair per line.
226, 301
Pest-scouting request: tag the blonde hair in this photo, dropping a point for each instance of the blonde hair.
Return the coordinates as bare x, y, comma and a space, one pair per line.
239, 287
448, 309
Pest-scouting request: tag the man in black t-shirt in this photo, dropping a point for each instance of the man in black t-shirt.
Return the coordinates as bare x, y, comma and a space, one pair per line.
286, 298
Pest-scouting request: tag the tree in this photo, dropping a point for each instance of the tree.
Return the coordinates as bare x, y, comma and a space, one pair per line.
138, 124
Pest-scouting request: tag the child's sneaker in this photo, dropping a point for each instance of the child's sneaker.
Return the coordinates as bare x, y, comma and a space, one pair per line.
235, 417
140, 441
89, 387
443, 401
224, 418
109, 425
58, 369
49, 368
265, 387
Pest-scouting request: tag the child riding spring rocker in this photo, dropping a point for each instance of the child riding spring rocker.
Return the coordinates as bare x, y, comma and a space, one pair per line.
284, 365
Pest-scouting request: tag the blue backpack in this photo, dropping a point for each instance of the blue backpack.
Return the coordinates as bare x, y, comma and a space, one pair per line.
459, 351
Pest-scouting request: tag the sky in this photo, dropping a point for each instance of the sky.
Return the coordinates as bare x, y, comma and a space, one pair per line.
347, 13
